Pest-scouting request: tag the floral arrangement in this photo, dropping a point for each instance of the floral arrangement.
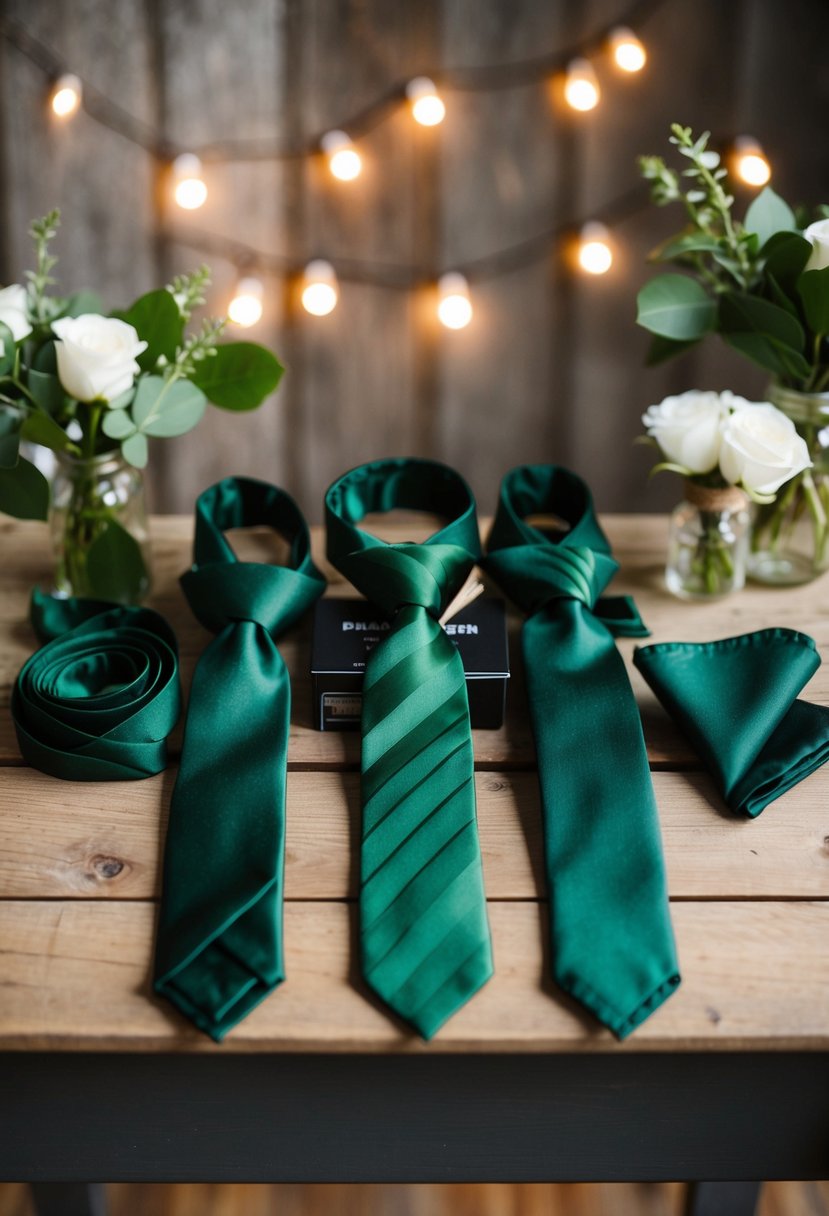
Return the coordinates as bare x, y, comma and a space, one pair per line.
719, 441
762, 284
85, 383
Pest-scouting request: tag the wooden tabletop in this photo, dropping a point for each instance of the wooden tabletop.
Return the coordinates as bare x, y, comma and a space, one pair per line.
79, 863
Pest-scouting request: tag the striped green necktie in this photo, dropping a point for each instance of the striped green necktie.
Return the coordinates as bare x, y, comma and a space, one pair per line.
219, 948
612, 943
423, 925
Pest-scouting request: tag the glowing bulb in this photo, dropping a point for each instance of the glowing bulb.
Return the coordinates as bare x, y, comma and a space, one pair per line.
595, 254
627, 50
750, 161
581, 88
245, 308
319, 292
189, 191
66, 95
427, 106
454, 305
344, 160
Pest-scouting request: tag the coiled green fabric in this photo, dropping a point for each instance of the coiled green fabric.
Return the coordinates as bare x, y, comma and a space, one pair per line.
612, 942
98, 700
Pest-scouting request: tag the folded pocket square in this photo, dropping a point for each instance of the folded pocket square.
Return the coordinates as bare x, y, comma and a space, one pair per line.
736, 700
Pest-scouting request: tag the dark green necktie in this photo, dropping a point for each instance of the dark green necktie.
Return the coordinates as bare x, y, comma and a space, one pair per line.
612, 943
736, 700
219, 949
423, 925
97, 702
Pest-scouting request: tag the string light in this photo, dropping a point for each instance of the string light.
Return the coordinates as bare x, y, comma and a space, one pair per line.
750, 162
627, 50
245, 309
581, 88
427, 105
319, 291
454, 304
344, 160
595, 254
189, 191
66, 95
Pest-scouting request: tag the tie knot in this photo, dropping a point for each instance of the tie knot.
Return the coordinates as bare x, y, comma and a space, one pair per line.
536, 574
391, 576
274, 597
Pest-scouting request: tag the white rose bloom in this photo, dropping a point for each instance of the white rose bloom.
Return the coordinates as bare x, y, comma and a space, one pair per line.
13, 311
818, 234
761, 450
96, 356
687, 429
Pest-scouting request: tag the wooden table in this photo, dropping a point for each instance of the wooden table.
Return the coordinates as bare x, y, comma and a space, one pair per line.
728, 1080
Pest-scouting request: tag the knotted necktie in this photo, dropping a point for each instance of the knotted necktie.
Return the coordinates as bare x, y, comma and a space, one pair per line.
97, 702
736, 700
219, 949
612, 943
423, 926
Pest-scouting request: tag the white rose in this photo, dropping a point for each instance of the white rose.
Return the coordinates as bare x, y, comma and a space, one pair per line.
96, 356
13, 311
761, 448
687, 429
818, 234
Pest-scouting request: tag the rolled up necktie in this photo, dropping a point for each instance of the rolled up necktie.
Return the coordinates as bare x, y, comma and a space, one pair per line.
98, 700
612, 942
736, 700
423, 925
219, 948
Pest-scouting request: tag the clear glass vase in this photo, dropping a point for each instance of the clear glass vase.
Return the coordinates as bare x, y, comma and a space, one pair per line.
98, 526
708, 543
790, 537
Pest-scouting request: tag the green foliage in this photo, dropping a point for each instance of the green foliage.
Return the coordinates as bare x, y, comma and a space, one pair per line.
161, 409
677, 307
8, 351
813, 289
239, 377
83, 302
11, 420
24, 491
115, 565
768, 215
158, 322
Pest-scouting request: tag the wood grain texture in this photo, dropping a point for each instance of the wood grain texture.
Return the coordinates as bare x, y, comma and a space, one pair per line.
76, 840
76, 976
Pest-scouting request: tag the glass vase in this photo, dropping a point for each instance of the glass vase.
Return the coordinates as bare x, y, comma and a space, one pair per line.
790, 537
708, 543
98, 527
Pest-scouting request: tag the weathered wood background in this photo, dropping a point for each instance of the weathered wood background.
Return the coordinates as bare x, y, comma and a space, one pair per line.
552, 366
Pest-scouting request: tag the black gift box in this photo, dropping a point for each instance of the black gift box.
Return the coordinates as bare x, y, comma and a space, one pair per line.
345, 632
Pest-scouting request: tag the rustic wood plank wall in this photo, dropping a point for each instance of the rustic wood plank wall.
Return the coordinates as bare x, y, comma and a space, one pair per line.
552, 366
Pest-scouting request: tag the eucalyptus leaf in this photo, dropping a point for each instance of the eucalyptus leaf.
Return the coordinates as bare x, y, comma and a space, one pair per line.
117, 424
47, 390
11, 421
163, 408
767, 352
135, 450
744, 313
768, 214
122, 401
239, 376
115, 566
661, 349
84, 302
675, 306
7, 349
24, 491
40, 427
159, 323
813, 288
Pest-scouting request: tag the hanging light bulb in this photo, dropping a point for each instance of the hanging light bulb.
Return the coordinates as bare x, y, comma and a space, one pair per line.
319, 288
427, 105
454, 304
750, 162
66, 95
344, 160
245, 309
595, 253
627, 50
189, 190
581, 88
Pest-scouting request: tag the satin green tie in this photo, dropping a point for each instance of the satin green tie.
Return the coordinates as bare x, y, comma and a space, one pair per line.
97, 702
423, 925
736, 700
219, 948
612, 943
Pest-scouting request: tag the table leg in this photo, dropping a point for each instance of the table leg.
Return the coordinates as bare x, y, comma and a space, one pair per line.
722, 1198
69, 1198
